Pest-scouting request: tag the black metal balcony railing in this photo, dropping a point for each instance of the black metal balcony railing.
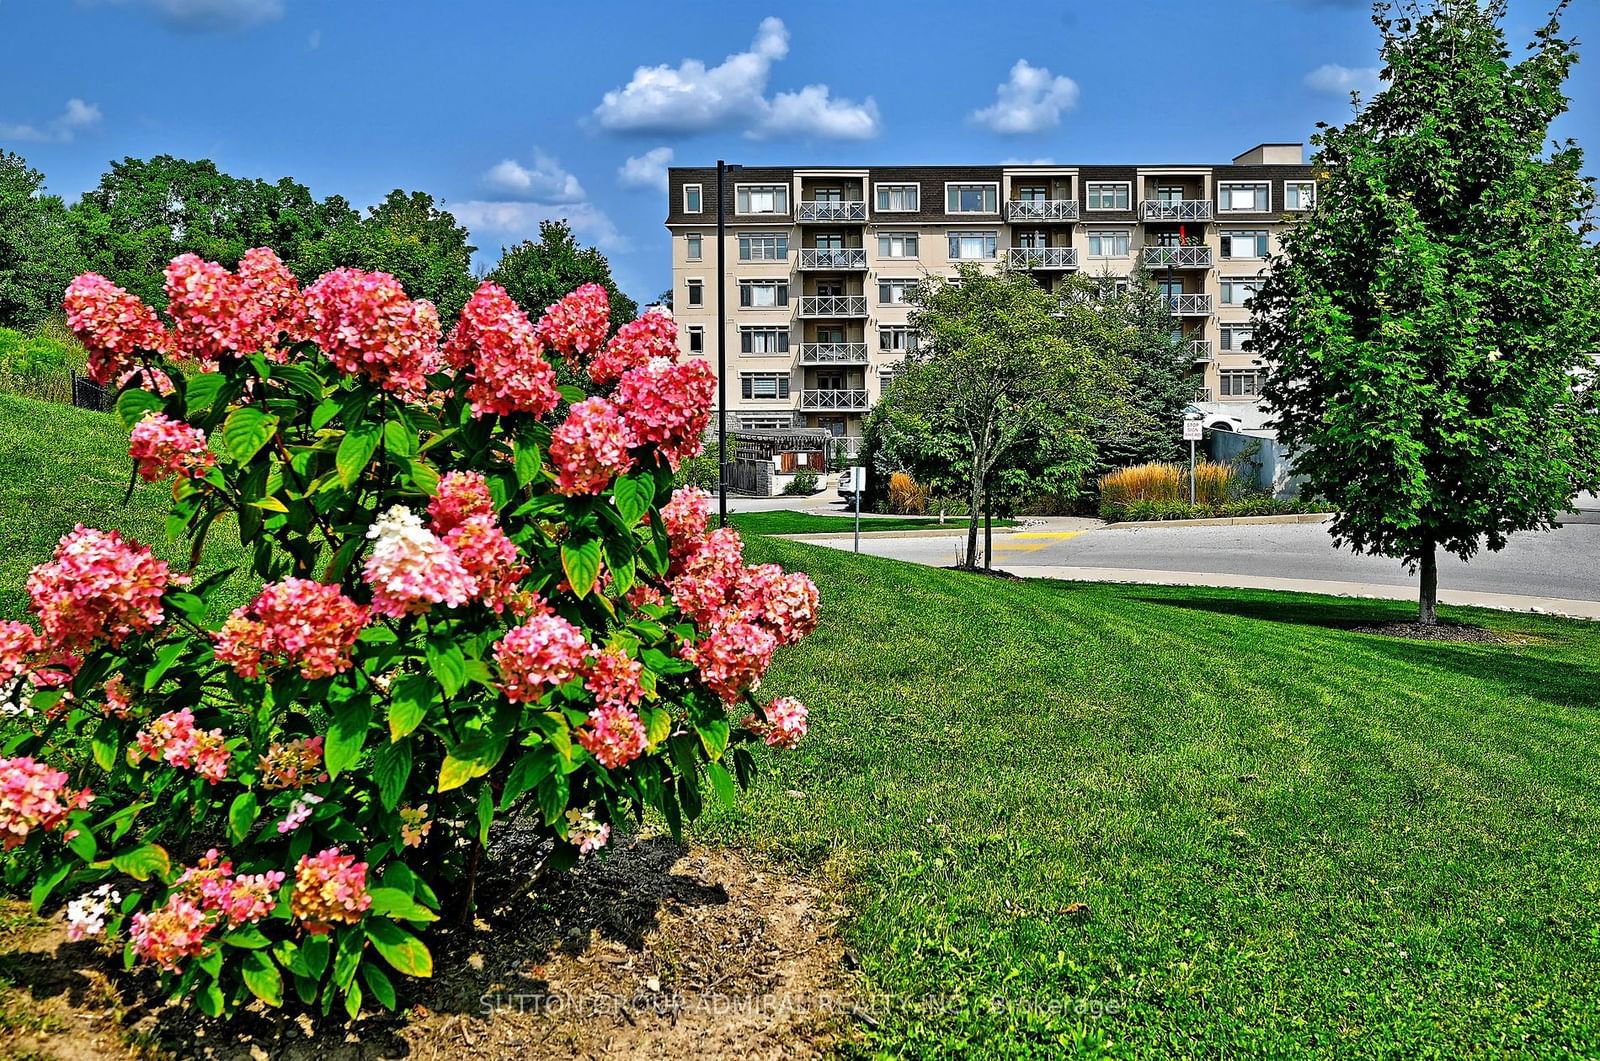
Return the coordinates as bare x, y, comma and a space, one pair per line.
846, 213
829, 258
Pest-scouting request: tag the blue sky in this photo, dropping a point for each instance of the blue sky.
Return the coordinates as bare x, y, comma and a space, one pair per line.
515, 111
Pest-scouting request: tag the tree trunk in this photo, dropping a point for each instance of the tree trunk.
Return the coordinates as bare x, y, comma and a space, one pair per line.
988, 534
1428, 597
975, 505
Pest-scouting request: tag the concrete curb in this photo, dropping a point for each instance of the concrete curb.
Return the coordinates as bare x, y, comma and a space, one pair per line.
868, 532
1223, 521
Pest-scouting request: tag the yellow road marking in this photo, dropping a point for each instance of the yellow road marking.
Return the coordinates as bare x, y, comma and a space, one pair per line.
1059, 536
1022, 548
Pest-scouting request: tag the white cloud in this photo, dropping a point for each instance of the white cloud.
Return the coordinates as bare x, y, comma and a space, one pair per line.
1336, 80
810, 112
212, 15
546, 181
694, 97
648, 170
77, 117
509, 222
1029, 101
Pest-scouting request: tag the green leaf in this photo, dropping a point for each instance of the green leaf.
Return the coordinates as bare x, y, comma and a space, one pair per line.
379, 984
472, 758
619, 558
347, 956
553, 797
529, 771
106, 744
447, 663
209, 999
144, 862
352, 1000
398, 905
242, 815
527, 460
346, 736
247, 937
424, 476
658, 726
200, 392
355, 450
166, 656
409, 703
714, 735
581, 561
300, 378
245, 431
570, 394
261, 976
485, 813
633, 494
722, 783
399, 948
399, 438
133, 404
47, 884
83, 844
391, 769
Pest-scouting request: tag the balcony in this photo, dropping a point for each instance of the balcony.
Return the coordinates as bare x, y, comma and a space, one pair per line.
834, 401
832, 213
834, 305
1043, 257
1042, 210
1175, 210
1189, 305
822, 258
1202, 394
1177, 257
833, 353
1200, 350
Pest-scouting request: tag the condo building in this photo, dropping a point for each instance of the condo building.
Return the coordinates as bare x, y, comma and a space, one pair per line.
819, 261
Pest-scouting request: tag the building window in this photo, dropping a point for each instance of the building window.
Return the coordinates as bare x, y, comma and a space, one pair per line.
763, 248
764, 384
691, 198
1240, 383
899, 198
894, 292
766, 423
697, 339
897, 244
1254, 197
697, 292
1235, 336
764, 340
1239, 290
692, 245
1111, 195
966, 245
763, 294
1242, 243
1113, 244
972, 198
762, 199
1299, 195
896, 340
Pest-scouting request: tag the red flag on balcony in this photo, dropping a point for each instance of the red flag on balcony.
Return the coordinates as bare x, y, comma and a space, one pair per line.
1183, 234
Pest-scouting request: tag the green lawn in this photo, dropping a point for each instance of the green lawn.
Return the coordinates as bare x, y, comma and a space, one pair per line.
810, 523
1288, 838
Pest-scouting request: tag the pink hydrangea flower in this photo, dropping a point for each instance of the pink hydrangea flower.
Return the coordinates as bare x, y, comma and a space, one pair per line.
783, 602
366, 325
489, 557
114, 326
165, 447
545, 651
33, 795
293, 764
636, 343
293, 621
575, 326
234, 900
685, 517
172, 738
203, 300
119, 696
269, 306
643, 593
169, 934
461, 496
613, 735
590, 447
98, 587
414, 825
704, 586
503, 355
732, 657
786, 718
299, 812
668, 404
584, 830
329, 887
18, 641
147, 378
411, 570
613, 678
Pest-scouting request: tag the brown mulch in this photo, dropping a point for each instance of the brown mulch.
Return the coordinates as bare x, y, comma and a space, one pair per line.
1442, 631
657, 951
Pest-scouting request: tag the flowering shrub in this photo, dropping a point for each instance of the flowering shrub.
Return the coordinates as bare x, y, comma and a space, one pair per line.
480, 599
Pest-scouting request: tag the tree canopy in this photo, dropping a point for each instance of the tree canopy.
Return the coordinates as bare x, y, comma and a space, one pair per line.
1426, 331
38, 255
536, 273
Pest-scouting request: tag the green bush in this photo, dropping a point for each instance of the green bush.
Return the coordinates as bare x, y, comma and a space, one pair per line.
39, 365
804, 484
1149, 510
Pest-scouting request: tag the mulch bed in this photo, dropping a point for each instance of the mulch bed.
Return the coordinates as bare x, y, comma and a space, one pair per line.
1442, 631
658, 951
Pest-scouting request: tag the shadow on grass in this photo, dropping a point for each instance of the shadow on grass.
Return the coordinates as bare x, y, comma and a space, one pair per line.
1563, 683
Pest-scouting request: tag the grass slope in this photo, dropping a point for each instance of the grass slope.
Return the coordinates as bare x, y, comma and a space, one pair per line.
784, 522
1291, 839
1287, 838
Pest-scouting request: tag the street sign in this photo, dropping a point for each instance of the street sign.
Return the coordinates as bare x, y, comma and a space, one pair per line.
1192, 431
858, 477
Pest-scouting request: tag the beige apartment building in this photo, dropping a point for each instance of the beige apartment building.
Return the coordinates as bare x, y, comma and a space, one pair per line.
819, 260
